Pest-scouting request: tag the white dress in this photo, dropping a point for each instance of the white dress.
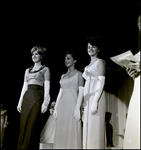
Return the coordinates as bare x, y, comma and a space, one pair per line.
48, 132
68, 129
93, 125
132, 130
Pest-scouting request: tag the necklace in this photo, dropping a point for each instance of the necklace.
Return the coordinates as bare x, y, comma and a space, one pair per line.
37, 68
34, 71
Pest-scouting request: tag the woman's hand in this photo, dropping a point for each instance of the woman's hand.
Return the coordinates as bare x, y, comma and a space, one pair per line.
19, 107
135, 65
44, 108
45, 104
132, 72
94, 108
77, 114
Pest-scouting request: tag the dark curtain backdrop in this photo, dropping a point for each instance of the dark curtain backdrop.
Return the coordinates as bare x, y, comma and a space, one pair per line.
59, 26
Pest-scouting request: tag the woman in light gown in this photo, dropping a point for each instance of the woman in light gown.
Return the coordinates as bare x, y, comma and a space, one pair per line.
94, 98
33, 101
132, 129
48, 132
67, 108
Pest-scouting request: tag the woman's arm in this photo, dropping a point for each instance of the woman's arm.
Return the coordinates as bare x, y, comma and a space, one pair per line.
80, 92
99, 86
58, 96
101, 67
46, 91
57, 102
80, 97
24, 89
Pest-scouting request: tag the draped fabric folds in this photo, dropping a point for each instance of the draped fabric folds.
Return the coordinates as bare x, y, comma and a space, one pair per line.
119, 88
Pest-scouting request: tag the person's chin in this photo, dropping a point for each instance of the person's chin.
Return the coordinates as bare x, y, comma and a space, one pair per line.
35, 61
67, 65
90, 53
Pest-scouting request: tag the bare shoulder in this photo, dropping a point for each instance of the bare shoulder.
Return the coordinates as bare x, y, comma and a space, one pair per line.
27, 70
46, 69
80, 78
62, 75
79, 73
101, 62
101, 67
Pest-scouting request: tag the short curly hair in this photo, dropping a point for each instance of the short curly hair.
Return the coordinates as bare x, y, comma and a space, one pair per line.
41, 50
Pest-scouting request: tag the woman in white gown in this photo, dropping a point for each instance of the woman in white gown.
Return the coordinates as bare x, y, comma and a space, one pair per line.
94, 99
47, 134
67, 108
132, 130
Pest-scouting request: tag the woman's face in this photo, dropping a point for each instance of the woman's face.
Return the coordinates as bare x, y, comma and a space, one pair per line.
92, 50
69, 61
36, 57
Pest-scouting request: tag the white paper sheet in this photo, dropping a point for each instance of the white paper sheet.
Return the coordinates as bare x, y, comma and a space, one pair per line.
125, 58
137, 56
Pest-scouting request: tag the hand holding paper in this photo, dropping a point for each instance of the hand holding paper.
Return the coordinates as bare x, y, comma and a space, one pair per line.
126, 59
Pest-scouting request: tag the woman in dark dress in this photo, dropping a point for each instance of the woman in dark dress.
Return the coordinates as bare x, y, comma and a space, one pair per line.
34, 100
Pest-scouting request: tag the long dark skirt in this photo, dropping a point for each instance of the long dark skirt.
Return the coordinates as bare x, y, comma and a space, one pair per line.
30, 118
